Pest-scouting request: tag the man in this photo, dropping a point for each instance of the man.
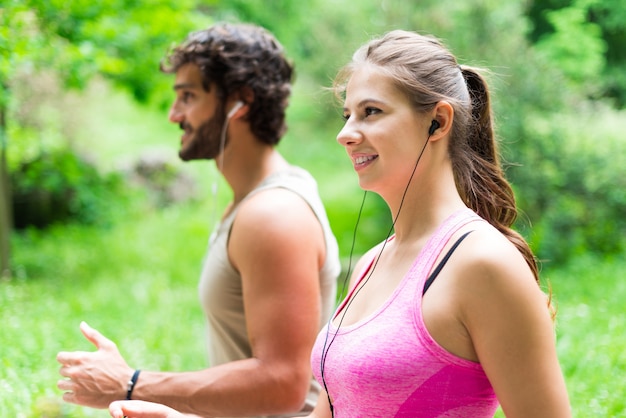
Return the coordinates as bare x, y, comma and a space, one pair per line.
268, 282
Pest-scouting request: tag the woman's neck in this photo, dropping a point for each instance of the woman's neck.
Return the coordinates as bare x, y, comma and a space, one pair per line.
424, 207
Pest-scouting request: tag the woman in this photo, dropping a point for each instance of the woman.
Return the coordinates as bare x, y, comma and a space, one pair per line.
421, 334
445, 318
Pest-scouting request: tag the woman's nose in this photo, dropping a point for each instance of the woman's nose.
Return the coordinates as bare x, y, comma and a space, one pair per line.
349, 134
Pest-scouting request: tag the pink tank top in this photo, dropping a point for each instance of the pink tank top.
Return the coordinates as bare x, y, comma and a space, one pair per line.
388, 365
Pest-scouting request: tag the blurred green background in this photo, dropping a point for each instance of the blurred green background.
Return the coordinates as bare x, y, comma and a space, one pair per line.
99, 221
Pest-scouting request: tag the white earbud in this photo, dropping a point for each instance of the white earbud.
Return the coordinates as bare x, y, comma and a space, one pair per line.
235, 108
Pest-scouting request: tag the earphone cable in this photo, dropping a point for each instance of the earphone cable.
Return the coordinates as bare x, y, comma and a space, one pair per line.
219, 162
326, 348
342, 295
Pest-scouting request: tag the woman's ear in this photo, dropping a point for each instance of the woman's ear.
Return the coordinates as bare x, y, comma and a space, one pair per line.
441, 124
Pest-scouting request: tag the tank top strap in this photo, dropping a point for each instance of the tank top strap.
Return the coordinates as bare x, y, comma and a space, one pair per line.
425, 261
442, 263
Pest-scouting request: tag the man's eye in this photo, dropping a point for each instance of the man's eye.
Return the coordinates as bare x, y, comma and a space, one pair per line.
345, 117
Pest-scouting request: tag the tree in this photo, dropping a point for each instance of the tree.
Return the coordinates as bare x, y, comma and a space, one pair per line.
77, 40
586, 38
13, 47
5, 200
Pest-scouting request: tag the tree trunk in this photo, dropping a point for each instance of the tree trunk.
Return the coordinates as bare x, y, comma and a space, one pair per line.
5, 200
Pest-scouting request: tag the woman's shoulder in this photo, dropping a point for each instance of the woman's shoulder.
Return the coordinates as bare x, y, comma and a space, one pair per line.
489, 261
484, 244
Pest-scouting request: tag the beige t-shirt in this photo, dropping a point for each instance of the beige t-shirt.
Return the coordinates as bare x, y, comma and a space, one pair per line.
220, 284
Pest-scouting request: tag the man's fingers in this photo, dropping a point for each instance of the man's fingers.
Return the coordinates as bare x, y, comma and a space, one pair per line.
73, 358
94, 336
65, 384
69, 398
64, 357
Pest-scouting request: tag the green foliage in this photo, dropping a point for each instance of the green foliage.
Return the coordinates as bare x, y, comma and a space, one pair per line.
576, 47
579, 174
593, 31
58, 186
15, 23
611, 15
91, 38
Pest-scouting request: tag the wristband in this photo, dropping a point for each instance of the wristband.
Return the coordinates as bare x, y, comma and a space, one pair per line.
131, 384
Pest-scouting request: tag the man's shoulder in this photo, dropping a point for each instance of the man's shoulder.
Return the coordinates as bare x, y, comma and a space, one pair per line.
276, 205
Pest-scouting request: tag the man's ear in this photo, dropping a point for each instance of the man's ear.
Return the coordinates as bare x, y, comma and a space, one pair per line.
246, 95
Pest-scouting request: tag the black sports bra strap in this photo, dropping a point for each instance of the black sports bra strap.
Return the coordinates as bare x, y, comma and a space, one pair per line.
443, 262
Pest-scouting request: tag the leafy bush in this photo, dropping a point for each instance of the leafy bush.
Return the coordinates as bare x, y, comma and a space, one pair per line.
58, 186
574, 185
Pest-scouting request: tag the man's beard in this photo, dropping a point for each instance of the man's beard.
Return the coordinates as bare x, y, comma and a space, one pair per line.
204, 143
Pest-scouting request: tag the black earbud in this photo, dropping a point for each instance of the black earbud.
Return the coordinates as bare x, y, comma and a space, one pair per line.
433, 127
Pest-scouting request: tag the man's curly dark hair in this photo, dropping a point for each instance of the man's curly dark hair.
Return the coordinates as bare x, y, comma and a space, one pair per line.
236, 58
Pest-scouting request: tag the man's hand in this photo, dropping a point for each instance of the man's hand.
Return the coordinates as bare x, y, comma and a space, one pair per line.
141, 409
94, 379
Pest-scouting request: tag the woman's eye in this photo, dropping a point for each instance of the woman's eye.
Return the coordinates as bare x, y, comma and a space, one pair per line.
368, 111
371, 111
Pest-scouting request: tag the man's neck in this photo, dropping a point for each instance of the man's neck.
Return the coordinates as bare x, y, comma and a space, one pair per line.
246, 172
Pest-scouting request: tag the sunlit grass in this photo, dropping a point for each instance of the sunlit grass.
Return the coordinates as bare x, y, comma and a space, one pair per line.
592, 335
135, 282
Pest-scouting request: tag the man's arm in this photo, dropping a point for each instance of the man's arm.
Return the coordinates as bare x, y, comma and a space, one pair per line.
278, 247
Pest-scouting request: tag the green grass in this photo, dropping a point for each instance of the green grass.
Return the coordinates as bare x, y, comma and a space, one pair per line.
591, 327
136, 280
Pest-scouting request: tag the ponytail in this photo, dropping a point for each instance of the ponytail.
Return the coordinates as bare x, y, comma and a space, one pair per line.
484, 187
